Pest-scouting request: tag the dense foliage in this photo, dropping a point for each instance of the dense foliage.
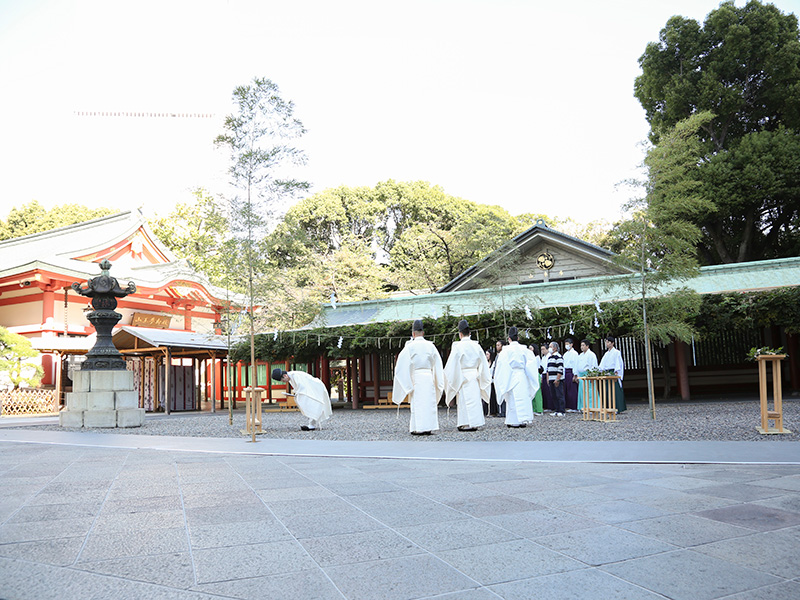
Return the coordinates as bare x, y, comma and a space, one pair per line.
34, 218
743, 67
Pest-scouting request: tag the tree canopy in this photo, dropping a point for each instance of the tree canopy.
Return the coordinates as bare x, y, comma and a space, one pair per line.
16, 366
743, 67
34, 218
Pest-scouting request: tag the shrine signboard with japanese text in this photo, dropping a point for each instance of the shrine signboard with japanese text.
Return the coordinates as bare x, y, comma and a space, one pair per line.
150, 320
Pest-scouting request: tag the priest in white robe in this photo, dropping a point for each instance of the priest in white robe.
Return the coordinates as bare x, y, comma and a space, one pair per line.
570, 372
516, 379
418, 375
310, 394
586, 360
612, 361
467, 379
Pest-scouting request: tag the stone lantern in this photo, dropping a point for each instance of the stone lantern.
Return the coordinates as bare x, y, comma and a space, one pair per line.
103, 393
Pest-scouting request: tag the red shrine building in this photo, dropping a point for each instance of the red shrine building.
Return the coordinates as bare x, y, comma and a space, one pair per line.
171, 319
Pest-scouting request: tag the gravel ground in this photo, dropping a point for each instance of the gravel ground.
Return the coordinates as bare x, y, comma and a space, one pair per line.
732, 420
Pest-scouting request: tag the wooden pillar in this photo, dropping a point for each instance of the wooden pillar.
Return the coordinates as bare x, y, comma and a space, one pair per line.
681, 370
325, 371
792, 347
362, 377
59, 381
376, 377
353, 369
167, 380
142, 380
213, 384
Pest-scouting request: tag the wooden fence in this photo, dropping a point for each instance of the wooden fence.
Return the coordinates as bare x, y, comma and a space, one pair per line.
16, 403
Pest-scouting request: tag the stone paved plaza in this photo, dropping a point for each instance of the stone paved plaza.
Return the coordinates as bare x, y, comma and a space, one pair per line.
92, 515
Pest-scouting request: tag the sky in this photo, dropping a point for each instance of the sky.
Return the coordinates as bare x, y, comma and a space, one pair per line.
525, 104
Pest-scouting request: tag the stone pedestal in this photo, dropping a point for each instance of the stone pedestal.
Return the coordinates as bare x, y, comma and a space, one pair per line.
102, 399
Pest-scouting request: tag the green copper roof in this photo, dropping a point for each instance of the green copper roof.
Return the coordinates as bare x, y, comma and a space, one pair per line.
741, 277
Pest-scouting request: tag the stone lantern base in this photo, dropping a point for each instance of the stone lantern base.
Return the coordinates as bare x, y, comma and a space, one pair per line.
102, 399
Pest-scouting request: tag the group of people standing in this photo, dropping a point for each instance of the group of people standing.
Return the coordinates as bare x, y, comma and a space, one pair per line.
513, 382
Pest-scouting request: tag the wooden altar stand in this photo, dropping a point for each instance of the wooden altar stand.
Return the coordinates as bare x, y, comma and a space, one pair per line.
776, 414
600, 398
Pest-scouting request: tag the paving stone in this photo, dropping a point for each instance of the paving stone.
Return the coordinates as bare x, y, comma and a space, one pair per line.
678, 482
753, 516
54, 512
507, 561
689, 575
449, 535
356, 488
537, 523
60, 551
625, 490
308, 584
104, 546
352, 548
252, 560
615, 511
399, 579
742, 492
475, 594
309, 506
450, 491
603, 545
294, 493
237, 533
788, 590
174, 570
681, 502
585, 583
397, 509
789, 483
209, 515
142, 505
134, 522
45, 530
311, 526
790, 502
493, 505
776, 552
685, 530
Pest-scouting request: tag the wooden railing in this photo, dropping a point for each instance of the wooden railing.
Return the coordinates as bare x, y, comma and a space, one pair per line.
16, 403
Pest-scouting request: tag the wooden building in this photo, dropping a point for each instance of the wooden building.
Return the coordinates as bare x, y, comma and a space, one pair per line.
173, 303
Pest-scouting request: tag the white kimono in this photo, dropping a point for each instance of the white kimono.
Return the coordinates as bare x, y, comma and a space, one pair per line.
311, 397
467, 377
612, 361
516, 379
418, 374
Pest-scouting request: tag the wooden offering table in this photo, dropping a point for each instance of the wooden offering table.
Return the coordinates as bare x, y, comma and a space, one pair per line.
776, 414
599, 398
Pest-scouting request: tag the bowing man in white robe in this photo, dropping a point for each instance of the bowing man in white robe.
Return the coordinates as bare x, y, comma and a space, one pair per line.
310, 394
467, 378
516, 378
418, 375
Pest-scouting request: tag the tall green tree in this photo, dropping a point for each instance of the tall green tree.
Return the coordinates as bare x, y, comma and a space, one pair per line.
259, 137
742, 65
34, 218
664, 254
16, 353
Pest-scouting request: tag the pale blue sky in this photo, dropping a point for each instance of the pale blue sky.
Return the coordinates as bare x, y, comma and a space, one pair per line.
524, 104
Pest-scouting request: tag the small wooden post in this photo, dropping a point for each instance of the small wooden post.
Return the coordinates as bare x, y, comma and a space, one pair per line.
776, 414
253, 418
